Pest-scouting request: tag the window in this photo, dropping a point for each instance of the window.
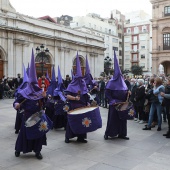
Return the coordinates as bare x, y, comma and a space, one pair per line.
135, 38
127, 39
142, 47
135, 47
144, 29
120, 53
142, 37
128, 30
143, 56
136, 30
142, 65
120, 61
115, 48
115, 40
127, 48
134, 57
120, 35
167, 11
166, 41
127, 66
127, 57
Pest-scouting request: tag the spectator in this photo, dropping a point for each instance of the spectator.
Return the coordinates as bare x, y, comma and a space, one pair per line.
156, 105
67, 81
18, 81
132, 96
101, 91
43, 83
140, 100
127, 81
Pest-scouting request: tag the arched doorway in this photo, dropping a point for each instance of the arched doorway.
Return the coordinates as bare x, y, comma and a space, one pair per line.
43, 63
82, 63
165, 68
1, 66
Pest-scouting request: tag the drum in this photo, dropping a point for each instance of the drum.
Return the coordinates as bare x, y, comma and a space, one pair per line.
37, 125
83, 120
125, 110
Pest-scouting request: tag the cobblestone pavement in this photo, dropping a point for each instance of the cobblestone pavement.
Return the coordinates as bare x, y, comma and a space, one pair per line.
146, 150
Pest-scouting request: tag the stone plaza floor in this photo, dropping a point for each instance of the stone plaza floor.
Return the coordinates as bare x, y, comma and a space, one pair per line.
146, 150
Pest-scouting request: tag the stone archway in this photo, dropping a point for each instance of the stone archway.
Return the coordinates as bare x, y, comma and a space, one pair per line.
166, 66
2, 62
82, 63
1, 66
43, 63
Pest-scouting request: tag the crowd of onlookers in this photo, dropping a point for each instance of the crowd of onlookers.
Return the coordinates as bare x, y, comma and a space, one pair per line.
150, 96
8, 86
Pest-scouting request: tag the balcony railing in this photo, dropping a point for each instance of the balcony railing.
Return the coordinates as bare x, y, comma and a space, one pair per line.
134, 42
134, 61
134, 51
138, 32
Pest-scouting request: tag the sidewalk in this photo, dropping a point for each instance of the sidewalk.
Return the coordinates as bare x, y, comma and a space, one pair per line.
146, 150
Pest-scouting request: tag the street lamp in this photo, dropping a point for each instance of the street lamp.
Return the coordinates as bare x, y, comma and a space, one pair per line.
42, 53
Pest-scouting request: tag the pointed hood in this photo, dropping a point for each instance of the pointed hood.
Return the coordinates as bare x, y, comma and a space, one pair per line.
78, 83
47, 76
32, 71
25, 76
53, 84
88, 77
28, 69
78, 67
32, 91
60, 87
116, 82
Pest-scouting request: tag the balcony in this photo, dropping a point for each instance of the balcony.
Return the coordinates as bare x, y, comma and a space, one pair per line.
134, 51
134, 60
135, 42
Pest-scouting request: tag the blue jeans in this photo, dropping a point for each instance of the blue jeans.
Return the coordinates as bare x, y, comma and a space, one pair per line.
158, 108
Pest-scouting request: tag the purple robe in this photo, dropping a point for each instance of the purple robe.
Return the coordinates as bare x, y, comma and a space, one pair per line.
23, 144
84, 100
60, 116
115, 126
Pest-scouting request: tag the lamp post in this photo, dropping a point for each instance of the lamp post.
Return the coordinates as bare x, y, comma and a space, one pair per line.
41, 52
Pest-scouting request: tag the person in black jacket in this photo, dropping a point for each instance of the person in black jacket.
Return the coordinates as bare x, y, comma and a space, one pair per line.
67, 81
132, 96
140, 100
18, 81
166, 102
126, 78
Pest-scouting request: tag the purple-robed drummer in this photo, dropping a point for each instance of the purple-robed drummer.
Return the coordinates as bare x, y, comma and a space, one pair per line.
116, 91
77, 96
29, 99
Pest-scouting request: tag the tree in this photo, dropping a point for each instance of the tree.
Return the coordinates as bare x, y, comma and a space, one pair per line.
137, 70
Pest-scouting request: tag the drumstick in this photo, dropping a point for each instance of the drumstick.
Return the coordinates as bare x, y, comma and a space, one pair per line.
79, 93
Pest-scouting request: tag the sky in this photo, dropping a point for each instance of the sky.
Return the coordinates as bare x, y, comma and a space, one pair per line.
56, 8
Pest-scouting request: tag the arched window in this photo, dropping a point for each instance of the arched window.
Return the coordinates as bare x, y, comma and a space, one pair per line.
82, 64
42, 57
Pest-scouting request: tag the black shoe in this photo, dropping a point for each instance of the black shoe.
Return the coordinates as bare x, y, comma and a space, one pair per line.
166, 134
147, 128
81, 140
123, 137
67, 140
105, 137
159, 129
17, 131
38, 156
17, 154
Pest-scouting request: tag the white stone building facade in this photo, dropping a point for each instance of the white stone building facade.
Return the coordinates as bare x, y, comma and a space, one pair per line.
100, 27
20, 33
